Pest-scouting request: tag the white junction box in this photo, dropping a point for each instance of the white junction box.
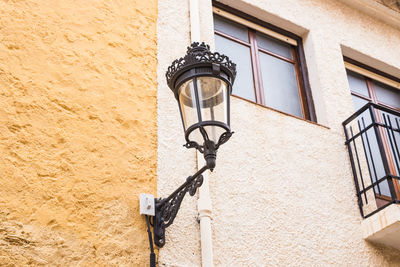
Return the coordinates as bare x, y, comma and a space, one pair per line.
147, 205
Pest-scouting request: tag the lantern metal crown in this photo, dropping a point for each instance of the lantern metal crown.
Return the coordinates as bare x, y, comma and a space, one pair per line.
198, 54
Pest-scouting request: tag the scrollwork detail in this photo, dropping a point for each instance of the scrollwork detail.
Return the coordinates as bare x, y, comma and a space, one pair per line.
169, 209
166, 209
195, 184
199, 53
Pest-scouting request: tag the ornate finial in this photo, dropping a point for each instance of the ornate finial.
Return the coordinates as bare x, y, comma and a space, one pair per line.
196, 47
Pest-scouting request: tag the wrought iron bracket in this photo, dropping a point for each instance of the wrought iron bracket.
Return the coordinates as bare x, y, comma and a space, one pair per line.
167, 208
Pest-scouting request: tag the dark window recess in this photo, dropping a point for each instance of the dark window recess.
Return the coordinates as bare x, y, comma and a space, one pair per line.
268, 69
373, 141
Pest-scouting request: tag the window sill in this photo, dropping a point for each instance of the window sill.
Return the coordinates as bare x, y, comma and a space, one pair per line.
281, 112
383, 227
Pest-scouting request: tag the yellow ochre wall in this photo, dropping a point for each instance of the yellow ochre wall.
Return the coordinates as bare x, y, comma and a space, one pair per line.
78, 133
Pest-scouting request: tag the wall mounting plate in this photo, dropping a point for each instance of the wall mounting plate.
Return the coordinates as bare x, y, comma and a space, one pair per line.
147, 205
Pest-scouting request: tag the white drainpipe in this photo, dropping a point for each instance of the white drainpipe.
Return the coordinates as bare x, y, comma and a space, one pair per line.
194, 21
204, 202
204, 208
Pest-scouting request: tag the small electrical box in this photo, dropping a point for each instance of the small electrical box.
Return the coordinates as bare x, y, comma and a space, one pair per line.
147, 205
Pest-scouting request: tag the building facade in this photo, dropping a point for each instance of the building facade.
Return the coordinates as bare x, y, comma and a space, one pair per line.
283, 192
89, 123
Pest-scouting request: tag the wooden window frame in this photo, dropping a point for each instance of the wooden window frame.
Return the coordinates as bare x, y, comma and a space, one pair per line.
298, 59
371, 74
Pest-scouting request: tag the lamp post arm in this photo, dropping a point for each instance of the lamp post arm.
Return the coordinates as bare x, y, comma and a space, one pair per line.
189, 180
166, 209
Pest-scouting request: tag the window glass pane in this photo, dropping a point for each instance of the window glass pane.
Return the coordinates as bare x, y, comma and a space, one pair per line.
229, 27
240, 54
280, 85
274, 46
358, 102
387, 94
357, 83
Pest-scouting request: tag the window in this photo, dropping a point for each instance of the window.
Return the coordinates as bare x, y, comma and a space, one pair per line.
368, 86
269, 72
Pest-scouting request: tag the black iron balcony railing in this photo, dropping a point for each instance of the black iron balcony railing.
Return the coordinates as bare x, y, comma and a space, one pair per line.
373, 142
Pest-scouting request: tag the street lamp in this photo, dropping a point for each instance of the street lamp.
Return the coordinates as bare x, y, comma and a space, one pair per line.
202, 84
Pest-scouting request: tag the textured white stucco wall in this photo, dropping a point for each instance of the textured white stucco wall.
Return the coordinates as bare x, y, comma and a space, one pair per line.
282, 192
175, 162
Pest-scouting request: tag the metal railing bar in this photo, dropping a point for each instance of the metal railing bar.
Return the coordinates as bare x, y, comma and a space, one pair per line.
359, 167
359, 133
380, 181
386, 109
379, 209
388, 126
398, 127
358, 112
372, 158
369, 126
366, 156
382, 150
396, 146
365, 107
353, 169
390, 140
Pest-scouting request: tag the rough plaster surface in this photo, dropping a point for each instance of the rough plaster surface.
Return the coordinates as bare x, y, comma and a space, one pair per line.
77, 131
175, 162
282, 192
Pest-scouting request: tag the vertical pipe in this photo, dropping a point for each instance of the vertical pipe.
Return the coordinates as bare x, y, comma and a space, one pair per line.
194, 21
204, 202
204, 208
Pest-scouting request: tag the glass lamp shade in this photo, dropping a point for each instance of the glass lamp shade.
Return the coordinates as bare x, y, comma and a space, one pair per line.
204, 105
